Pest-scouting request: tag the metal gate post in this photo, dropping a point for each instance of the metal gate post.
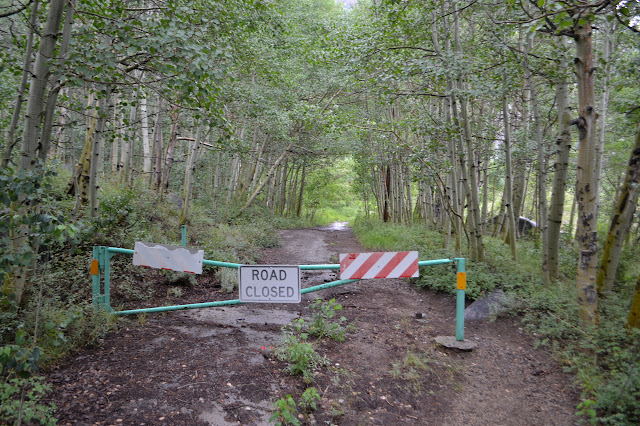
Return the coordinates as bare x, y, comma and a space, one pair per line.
102, 255
96, 267
107, 279
461, 280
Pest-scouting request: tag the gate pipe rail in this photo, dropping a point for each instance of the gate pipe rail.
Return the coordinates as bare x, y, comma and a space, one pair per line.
100, 266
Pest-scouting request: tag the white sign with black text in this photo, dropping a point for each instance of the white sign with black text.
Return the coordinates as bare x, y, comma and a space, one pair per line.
269, 283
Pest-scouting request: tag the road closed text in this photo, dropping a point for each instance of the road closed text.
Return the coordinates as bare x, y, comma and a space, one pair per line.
273, 291
272, 284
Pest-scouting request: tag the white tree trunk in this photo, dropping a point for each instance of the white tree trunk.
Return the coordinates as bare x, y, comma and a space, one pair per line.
587, 232
146, 144
26, 71
561, 166
508, 188
31, 143
542, 167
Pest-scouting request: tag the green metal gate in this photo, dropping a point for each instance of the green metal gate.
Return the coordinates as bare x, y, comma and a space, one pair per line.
101, 283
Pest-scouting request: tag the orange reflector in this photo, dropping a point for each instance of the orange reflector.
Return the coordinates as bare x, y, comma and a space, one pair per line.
462, 280
95, 267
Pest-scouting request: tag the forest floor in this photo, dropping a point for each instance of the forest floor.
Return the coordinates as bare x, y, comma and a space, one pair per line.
207, 366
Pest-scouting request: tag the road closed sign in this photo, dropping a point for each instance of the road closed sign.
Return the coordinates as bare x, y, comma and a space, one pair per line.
269, 283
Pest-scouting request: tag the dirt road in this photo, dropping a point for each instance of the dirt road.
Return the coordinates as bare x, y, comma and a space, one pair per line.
206, 367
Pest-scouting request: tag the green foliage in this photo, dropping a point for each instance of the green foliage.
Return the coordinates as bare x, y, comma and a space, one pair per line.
238, 243
25, 196
585, 408
286, 409
228, 279
285, 412
131, 214
300, 354
328, 194
618, 400
19, 359
23, 398
376, 235
498, 272
21, 390
65, 329
328, 215
604, 360
309, 399
322, 324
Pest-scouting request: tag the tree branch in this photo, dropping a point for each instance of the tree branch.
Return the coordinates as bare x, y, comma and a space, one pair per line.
13, 12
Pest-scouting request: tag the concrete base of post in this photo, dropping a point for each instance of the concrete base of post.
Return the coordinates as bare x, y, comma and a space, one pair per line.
452, 343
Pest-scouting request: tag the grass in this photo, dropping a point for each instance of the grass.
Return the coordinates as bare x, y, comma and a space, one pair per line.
419, 368
327, 215
498, 272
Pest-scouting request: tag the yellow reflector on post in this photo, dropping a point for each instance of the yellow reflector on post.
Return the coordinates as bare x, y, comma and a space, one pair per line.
462, 280
94, 267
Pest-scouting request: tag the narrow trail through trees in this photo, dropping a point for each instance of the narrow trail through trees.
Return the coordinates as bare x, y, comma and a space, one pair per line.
207, 366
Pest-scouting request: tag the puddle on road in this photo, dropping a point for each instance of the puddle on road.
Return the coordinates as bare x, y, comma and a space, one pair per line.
243, 315
215, 414
335, 226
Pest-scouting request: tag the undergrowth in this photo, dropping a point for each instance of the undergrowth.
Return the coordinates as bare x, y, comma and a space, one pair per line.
56, 316
605, 360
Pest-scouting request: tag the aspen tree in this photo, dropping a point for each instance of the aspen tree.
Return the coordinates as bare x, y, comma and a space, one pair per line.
31, 142
508, 189
26, 71
195, 150
561, 165
587, 233
146, 144
542, 166
621, 221
97, 146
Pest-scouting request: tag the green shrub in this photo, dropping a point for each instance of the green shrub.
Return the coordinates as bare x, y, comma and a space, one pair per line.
322, 322
309, 399
302, 358
285, 412
21, 391
23, 398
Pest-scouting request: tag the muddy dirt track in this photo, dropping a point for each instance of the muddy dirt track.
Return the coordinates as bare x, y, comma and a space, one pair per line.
206, 367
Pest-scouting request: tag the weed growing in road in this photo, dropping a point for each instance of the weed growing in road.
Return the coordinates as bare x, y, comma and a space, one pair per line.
286, 408
174, 292
297, 351
302, 358
415, 368
309, 399
285, 412
322, 324
300, 354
